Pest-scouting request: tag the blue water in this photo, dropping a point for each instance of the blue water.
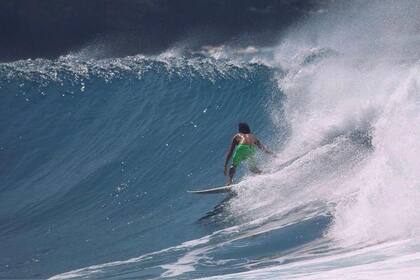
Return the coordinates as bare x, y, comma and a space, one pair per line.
97, 155
97, 159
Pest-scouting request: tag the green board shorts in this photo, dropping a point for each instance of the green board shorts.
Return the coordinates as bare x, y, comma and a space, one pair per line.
244, 152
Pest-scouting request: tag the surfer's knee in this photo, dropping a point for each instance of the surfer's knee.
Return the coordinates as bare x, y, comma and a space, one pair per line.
232, 170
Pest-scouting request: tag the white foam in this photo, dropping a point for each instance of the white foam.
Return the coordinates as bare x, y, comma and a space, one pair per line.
392, 260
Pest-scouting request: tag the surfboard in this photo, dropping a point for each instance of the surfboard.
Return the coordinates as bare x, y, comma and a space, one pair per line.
232, 188
224, 189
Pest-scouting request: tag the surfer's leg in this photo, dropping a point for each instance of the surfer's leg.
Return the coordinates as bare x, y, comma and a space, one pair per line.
232, 171
252, 166
255, 170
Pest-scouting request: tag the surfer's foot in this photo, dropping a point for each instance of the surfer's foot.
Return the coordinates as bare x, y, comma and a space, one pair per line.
255, 170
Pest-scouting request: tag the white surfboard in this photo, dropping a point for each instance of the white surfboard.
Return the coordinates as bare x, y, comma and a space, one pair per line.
233, 188
225, 189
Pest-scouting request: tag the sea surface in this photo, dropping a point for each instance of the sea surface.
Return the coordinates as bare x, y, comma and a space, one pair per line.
97, 155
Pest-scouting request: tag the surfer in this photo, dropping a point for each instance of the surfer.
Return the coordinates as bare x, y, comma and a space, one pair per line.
243, 149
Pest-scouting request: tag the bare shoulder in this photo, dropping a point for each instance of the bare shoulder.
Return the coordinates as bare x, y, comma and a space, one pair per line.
237, 137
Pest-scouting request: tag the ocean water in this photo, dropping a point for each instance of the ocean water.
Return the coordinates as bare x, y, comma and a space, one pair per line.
97, 155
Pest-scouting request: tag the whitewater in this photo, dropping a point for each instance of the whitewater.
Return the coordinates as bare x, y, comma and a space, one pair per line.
97, 155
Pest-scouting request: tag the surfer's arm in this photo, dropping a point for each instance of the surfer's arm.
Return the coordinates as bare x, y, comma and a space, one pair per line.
230, 152
263, 147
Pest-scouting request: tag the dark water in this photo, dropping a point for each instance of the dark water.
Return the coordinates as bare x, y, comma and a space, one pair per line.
32, 29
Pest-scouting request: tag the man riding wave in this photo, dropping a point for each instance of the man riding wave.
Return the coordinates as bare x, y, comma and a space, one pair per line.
243, 149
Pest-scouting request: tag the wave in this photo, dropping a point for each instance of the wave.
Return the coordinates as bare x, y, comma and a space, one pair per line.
112, 145
99, 155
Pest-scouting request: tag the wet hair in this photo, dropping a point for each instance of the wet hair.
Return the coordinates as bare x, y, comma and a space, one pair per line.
244, 128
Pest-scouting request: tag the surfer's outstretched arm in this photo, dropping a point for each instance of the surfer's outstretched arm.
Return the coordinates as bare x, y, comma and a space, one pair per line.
263, 147
229, 153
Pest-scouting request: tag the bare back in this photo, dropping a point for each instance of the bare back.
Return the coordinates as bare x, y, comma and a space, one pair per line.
248, 139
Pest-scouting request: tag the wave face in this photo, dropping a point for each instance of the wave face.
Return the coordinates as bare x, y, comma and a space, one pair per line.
97, 156
99, 153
